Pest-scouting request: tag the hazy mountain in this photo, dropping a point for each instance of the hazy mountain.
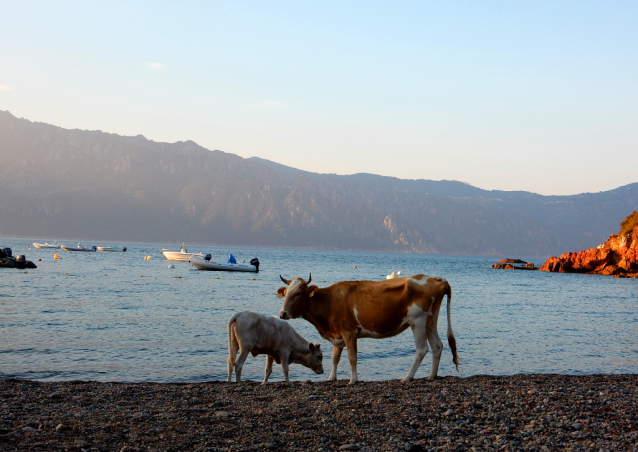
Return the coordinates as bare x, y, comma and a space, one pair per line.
74, 184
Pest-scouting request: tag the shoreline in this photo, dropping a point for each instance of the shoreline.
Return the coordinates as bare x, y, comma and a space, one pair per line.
517, 412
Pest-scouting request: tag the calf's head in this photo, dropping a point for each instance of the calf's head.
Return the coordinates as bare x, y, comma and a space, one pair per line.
313, 358
296, 296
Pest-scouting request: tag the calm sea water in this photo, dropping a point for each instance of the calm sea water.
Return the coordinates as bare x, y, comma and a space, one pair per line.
118, 317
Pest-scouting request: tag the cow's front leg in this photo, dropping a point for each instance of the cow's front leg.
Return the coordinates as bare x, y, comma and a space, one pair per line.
351, 345
336, 356
268, 371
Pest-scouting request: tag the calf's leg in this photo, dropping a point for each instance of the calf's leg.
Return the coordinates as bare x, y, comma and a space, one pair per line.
233, 347
239, 364
269, 361
285, 365
336, 356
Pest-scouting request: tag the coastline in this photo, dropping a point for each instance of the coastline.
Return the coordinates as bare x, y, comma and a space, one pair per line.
517, 412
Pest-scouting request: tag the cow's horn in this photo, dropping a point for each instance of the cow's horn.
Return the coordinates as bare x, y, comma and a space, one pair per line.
285, 280
309, 279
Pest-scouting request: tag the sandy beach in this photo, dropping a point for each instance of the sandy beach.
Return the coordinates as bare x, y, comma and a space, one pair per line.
520, 412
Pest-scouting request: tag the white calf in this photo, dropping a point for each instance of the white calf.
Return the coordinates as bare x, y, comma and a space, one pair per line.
249, 332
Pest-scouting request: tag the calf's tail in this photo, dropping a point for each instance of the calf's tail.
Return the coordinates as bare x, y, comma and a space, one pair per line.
450, 334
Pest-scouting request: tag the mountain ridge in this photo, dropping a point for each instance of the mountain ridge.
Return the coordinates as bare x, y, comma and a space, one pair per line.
68, 183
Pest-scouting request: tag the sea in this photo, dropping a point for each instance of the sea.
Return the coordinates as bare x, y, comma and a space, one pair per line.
135, 317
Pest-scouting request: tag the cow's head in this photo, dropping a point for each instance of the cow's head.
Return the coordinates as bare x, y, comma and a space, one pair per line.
296, 296
314, 358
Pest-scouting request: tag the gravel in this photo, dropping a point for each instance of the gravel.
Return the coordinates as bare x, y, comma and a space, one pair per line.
505, 413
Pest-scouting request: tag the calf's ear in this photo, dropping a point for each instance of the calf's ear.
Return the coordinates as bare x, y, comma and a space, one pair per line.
312, 290
311, 346
281, 292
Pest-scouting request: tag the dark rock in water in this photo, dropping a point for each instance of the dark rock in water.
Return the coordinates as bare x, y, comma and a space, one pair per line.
7, 260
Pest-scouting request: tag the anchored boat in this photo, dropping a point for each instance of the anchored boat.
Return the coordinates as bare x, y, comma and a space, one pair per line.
202, 263
181, 255
111, 248
80, 247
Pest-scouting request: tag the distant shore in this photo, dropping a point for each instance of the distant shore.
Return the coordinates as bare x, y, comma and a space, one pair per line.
520, 412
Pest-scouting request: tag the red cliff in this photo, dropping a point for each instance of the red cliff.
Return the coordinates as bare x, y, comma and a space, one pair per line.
618, 256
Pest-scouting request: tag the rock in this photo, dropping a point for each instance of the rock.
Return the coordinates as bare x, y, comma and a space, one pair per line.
269, 446
618, 256
349, 447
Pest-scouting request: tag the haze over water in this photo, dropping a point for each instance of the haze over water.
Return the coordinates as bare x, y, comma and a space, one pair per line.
118, 317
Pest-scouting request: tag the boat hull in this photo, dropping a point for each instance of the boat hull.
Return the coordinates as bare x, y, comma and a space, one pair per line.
70, 248
202, 264
179, 256
111, 248
46, 246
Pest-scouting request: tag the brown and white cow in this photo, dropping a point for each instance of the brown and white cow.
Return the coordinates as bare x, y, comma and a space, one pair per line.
249, 332
349, 310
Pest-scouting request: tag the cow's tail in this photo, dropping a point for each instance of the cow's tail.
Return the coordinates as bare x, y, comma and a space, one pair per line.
233, 344
450, 334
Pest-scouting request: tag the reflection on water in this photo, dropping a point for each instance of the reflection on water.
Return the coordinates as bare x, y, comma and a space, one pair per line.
119, 317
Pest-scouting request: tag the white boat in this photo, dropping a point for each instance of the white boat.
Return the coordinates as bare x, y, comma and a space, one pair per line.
204, 264
111, 248
55, 245
80, 247
181, 255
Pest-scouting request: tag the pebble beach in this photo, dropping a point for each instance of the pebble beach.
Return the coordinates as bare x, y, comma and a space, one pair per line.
505, 413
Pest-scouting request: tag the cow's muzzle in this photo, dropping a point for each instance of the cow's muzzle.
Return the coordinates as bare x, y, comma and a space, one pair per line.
283, 315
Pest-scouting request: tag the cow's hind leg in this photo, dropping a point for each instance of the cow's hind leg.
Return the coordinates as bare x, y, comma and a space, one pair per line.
268, 371
435, 343
336, 356
420, 347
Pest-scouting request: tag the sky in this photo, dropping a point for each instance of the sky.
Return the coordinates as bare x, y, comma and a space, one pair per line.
537, 96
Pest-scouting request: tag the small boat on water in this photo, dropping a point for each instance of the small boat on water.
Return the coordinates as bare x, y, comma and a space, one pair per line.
48, 245
80, 247
232, 265
181, 255
111, 248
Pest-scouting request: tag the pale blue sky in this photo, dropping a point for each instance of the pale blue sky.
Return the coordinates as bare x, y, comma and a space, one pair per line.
511, 95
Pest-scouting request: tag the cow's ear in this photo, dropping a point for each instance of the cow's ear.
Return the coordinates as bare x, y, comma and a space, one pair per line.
317, 346
312, 290
311, 346
281, 292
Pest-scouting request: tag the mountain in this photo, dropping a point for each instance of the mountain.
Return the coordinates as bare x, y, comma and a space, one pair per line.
92, 185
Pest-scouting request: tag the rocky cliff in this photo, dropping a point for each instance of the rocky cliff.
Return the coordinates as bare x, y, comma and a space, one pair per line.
618, 256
